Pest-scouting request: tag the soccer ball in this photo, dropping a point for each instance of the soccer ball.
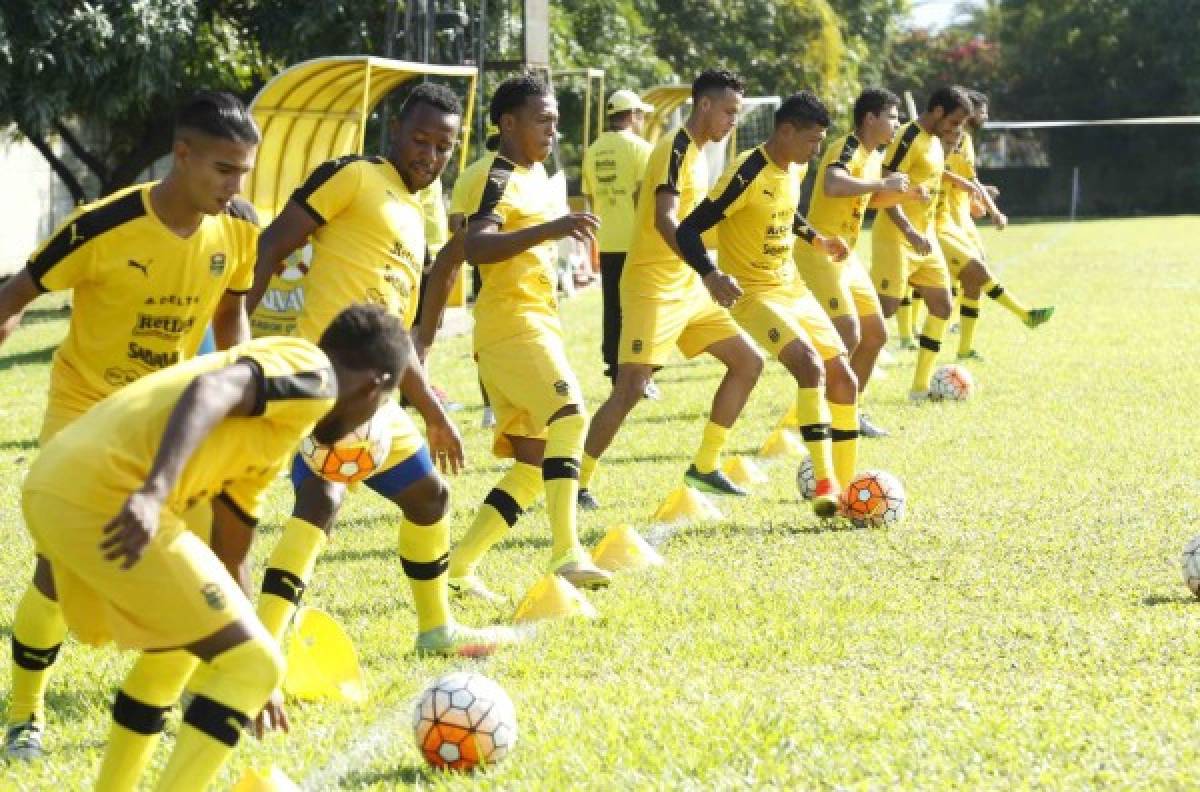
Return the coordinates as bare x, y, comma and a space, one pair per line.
464, 720
356, 456
806, 479
1191, 565
874, 498
951, 382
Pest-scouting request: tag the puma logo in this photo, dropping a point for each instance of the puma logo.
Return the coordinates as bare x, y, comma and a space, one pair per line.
75, 235
45, 656
143, 267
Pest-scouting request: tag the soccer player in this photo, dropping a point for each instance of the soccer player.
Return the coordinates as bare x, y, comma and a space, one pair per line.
904, 242
960, 239
849, 179
663, 302
613, 167
518, 341
151, 266
367, 229
215, 429
754, 207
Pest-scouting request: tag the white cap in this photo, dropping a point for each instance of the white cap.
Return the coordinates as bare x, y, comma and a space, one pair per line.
624, 100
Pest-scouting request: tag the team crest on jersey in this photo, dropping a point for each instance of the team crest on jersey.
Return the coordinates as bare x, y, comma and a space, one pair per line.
213, 596
216, 264
637, 346
833, 303
773, 334
562, 388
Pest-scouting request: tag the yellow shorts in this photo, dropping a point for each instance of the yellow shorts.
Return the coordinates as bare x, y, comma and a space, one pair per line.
778, 317
176, 594
528, 380
958, 248
895, 265
651, 327
843, 288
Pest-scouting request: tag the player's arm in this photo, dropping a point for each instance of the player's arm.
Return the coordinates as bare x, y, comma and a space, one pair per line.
485, 243
987, 197
445, 443
230, 322
835, 247
839, 183
287, 233
210, 399
439, 282
897, 215
689, 241
16, 293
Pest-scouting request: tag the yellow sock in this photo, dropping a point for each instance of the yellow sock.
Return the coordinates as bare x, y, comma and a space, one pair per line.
242, 679
38, 631
560, 477
289, 569
423, 556
997, 293
904, 321
708, 456
844, 434
931, 344
914, 319
968, 317
512, 495
587, 469
814, 429
139, 715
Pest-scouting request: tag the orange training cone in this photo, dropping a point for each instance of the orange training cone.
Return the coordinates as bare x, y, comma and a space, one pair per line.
781, 443
553, 598
743, 472
624, 548
321, 660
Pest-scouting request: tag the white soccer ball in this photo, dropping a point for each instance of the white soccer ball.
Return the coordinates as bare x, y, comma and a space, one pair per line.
806, 479
463, 721
873, 498
1191, 565
951, 382
356, 456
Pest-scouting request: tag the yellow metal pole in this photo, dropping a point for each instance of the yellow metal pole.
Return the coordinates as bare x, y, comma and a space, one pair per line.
364, 109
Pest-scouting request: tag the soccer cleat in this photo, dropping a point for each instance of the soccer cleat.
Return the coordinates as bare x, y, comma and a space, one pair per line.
472, 586
866, 428
586, 500
906, 343
583, 574
824, 499
716, 482
489, 418
23, 741
455, 640
651, 391
1039, 316
918, 396
971, 355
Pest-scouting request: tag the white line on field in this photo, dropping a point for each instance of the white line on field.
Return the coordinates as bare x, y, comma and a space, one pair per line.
379, 737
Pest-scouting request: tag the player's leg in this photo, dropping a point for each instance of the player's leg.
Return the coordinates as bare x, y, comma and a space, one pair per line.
37, 635
841, 387
812, 411
611, 265
971, 278
627, 391
934, 287
904, 321
862, 362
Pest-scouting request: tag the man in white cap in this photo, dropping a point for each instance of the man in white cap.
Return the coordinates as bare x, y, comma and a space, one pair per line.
613, 167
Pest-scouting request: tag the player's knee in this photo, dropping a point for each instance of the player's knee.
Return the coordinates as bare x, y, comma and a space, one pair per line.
264, 664
629, 387
318, 502
425, 501
43, 578
873, 333
841, 384
851, 333
803, 363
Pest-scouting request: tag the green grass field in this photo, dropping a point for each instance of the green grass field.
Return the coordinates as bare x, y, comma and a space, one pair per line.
1025, 626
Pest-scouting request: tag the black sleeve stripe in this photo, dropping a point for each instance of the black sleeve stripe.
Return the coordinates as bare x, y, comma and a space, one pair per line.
849, 149
318, 384
321, 174
493, 190
906, 140
260, 385
679, 147
243, 210
241, 513
742, 179
84, 228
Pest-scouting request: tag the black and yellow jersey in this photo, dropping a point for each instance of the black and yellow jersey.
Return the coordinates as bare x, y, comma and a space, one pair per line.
920, 155
842, 216
954, 204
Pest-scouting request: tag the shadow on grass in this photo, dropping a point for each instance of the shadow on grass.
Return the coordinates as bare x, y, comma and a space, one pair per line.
687, 377
48, 314
662, 419
31, 357
1165, 599
408, 775
26, 444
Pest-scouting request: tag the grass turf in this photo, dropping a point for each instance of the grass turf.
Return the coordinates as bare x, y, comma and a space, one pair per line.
1025, 626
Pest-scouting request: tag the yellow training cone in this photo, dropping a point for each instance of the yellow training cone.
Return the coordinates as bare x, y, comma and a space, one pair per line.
743, 472
553, 598
684, 504
624, 548
321, 660
274, 781
781, 443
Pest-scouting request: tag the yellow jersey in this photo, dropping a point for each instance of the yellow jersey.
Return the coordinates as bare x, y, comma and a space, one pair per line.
519, 294
468, 189
676, 165
437, 225
920, 155
107, 453
757, 200
613, 168
143, 295
954, 204
369, 246
842, 216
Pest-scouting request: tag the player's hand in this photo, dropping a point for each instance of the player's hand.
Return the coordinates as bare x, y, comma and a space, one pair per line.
273, 717
918, 242
445, 446
131, 530
834, 247
896, 182
724, 288
580, 226
1000, 220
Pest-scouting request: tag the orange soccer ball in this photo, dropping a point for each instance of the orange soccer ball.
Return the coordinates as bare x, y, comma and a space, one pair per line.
951, 382
873, 498
356, 456
463, 721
